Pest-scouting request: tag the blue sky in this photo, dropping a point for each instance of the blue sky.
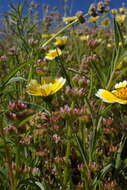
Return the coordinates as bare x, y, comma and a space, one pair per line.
75, 5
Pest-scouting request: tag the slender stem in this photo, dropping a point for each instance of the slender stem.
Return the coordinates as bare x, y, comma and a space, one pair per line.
62, 30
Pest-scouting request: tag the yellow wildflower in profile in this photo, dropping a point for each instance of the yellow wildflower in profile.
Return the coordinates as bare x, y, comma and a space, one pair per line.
84, 37
46, 88
122, 10
93, 19
106, 22
119, 66
114, 12
52, 54
61, 41
120, 18
69, 19
118, 95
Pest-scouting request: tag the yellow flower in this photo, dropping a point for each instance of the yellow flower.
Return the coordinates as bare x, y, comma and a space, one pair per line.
61, 41
119, 66
93, 19
114, 12
120, 18
118, 95
52, 54
84, 37
46, 88
122, 10
109, 45
106, 22
69, 19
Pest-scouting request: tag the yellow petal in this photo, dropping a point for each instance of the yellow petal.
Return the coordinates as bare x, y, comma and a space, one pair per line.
58, 85
109, 97
121, 84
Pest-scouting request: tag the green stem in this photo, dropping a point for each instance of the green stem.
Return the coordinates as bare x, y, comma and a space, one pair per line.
62, 30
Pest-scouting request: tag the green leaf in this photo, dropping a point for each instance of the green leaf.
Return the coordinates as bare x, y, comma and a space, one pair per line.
81, 149
40, 185
106, 110
26, 119
118, 156
36, 107
102, 174
11, 74
118, 34
16, 79
92, 144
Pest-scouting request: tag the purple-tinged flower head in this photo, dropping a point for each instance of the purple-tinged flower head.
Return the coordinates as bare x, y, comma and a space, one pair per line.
108, 130
110, 185
80, 81
26, 169
80, 185
10, 129
89, 59
12, 51
33, 4
41, 71
101, 7
48, 19
25, 140
80, 17
113, 148
40, 63
108, 121
94, 167
12, 115
3, 58
16, 105
59, 160
83, 82
93, 10
93, 43
75, 92
41, 153
68, 112
32, 42
56, 138
81, 167
35, 171
75, 79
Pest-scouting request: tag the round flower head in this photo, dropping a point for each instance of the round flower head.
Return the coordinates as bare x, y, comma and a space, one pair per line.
84, 38
118, 95
52, 54
93, 19
120, 18
46, 88
61, 41
106, 22
114, 12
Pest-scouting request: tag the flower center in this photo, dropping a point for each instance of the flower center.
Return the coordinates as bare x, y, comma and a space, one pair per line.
54, 54
121, 93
